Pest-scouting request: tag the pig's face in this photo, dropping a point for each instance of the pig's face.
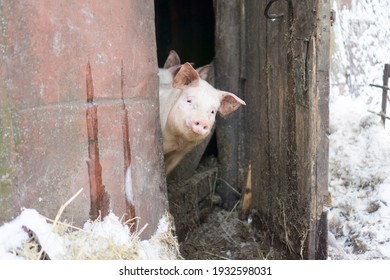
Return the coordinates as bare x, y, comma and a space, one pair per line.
193, 114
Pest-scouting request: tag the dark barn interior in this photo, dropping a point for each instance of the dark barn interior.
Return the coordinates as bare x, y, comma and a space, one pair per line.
188, 28
195, 190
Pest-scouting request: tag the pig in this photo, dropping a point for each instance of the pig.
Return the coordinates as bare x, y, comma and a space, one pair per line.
171, 66
187, 112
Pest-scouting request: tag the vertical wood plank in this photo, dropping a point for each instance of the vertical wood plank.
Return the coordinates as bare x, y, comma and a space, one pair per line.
286, 120
227, 77
318, 224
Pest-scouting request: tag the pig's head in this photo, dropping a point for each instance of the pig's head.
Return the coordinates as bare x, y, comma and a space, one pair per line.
193, 115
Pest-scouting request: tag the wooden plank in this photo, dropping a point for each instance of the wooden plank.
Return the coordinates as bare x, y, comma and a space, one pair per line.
256, 113
386, 75
227, 77
318, 224
286, 120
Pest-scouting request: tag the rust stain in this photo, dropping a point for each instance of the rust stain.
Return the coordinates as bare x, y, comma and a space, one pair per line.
100, 200
130, 209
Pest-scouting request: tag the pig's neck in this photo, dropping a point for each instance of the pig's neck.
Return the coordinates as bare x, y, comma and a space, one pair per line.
174, 142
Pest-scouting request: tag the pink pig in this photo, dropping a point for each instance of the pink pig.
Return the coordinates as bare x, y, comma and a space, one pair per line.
171, 66
187, 112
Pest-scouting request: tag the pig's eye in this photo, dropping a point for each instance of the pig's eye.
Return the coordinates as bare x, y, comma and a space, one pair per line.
189, 101
213, 112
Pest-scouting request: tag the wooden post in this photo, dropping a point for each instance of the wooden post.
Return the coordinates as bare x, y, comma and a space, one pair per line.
286, 87
386, 75
227, 77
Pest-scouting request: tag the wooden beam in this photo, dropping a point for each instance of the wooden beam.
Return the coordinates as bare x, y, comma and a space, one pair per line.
386, 75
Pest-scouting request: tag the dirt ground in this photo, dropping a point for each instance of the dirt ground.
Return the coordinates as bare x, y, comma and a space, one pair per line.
224, 236
205, 230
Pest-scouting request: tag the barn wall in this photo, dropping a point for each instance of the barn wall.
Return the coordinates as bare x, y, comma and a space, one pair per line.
280, 68
45, 48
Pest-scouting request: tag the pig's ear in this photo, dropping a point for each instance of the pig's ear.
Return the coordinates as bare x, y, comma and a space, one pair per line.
172, 60
229, 102
204, 71
187, 76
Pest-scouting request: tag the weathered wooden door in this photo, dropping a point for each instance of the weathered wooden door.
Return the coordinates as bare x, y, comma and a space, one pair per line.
275, 55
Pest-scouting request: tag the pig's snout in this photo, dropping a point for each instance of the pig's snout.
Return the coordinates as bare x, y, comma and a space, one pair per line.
200, 127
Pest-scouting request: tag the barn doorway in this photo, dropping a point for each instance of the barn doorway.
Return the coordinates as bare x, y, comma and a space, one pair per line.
188, 27
265, 61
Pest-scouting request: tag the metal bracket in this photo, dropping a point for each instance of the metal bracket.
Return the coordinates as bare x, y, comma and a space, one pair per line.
332, 17
271, 16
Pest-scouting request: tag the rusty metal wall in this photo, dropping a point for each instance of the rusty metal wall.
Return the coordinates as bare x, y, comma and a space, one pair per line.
45, 47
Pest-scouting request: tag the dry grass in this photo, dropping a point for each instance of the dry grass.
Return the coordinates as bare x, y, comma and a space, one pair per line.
107, 239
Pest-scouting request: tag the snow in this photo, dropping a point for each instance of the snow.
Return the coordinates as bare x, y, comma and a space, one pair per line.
11, 234
359, 146
359, 169
129, 187
107, 239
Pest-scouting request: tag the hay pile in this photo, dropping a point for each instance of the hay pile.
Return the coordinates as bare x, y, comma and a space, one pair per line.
31, 236
224, 236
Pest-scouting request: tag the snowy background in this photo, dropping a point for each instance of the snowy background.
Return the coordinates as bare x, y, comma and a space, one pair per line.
359, 154
359, 161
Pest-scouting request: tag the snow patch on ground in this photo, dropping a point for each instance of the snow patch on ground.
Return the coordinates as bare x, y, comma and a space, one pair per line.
107, 239
359, 166
359, 152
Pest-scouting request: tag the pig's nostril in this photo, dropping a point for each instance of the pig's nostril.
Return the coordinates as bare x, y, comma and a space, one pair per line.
197, 123
205, 127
